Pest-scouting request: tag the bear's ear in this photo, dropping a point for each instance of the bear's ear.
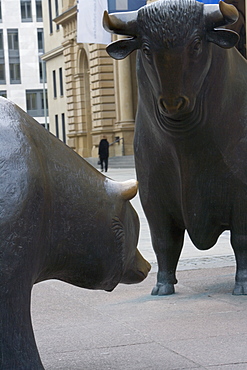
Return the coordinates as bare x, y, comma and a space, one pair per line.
223, 37
120, 49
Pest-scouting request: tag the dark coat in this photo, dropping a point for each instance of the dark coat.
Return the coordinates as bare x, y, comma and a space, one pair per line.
104, 148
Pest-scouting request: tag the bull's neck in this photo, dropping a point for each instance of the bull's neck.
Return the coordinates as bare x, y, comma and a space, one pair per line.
222, 65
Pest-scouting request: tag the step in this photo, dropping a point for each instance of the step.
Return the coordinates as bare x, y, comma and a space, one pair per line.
126, 161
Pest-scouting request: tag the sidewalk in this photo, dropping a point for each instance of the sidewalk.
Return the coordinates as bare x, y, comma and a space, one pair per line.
202, 326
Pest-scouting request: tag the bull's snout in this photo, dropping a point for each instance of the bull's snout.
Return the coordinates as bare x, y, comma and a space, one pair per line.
174, 106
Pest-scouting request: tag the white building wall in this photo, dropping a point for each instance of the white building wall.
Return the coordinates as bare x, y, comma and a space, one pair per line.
54, 61
28, 52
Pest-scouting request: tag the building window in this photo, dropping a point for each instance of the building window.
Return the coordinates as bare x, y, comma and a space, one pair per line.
42, 71
39, 15
40, 37
35, 102
2, 72
2, 62
50, 16
3, 93
26, 11
1, 40
1, 11
54, 84
61, 81
13, 41
57, 13
63, 127
14, 59
56, 125
47, 125
42, 65
15, 73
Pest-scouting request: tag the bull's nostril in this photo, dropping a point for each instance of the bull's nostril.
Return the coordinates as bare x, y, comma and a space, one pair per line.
173, 106
163, 105
181, 103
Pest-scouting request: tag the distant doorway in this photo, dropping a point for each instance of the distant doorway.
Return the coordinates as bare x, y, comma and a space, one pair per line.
85, 102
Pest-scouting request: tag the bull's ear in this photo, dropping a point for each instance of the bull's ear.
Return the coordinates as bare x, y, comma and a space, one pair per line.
223, 37
120, 49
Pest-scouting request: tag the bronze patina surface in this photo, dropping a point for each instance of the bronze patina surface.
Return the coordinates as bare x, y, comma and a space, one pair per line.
191, 127
59, 219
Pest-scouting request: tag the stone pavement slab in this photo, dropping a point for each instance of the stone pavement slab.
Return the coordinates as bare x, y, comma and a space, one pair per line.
202, 326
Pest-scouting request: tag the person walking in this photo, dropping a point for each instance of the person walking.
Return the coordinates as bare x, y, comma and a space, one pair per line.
104, 153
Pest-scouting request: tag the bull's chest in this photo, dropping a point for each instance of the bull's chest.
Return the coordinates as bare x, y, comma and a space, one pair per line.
206, 206
204, 195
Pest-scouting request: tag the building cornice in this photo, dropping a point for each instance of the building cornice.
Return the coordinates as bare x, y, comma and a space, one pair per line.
66, 16
52, 53
68, 43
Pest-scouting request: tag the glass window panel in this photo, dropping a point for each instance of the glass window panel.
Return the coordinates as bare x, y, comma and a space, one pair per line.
2, 73
54, 84
15, 74
39, 15
63, 127
35, 102
26, 11
3, 93
13, 42
40, 36
1, 40
50, 16
56, 124
61, 81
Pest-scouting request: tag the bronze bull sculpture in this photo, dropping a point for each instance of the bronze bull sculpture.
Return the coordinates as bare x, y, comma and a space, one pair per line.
59, 219
191, 128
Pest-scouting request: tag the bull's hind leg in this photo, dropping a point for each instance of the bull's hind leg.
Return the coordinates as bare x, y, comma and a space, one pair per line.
239, 245
168, 249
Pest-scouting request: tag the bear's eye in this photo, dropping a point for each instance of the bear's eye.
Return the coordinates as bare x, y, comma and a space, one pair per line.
146, 51
196, 47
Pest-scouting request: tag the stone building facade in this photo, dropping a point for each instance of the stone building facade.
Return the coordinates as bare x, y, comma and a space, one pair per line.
101, 94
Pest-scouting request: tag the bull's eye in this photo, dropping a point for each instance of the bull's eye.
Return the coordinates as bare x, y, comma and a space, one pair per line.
196, 47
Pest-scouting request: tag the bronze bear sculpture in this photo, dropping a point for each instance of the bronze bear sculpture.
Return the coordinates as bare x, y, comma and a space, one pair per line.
60, 219
191, 127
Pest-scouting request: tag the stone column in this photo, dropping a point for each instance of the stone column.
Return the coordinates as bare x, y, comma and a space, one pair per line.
126, 114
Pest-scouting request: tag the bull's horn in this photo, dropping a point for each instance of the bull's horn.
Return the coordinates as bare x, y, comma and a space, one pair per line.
221, 15
229, 12
126, 189
121, 23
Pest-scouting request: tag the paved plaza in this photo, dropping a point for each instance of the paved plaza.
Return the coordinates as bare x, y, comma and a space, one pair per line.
202, 326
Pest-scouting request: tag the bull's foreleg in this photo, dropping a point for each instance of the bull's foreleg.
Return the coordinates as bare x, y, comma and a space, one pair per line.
168, 249
239, 245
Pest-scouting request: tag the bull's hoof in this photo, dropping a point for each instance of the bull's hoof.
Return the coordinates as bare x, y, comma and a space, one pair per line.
240, 289
163, 289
